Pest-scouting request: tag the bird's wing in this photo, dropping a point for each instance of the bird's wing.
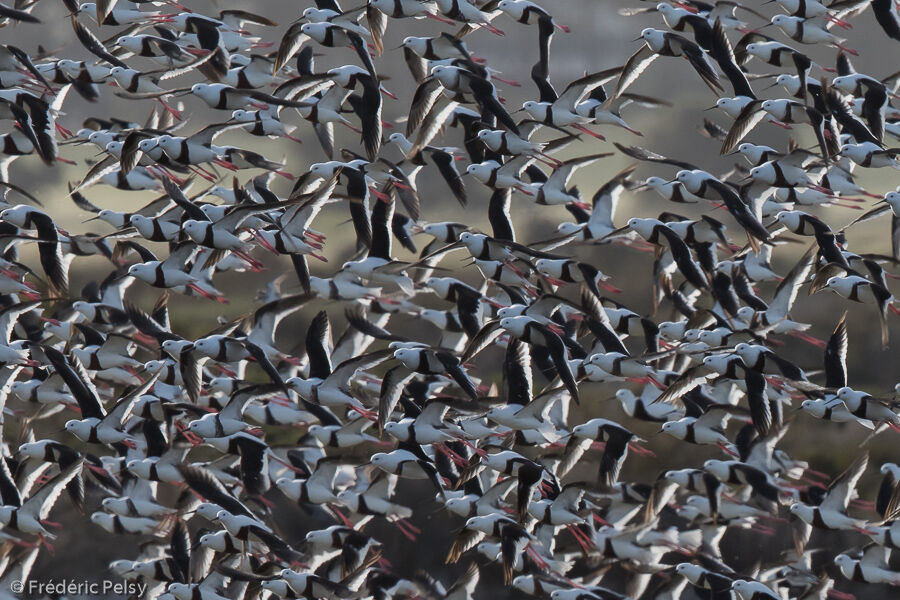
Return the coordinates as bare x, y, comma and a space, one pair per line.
836, 356
643, 154
687, 381
841, 490
583, 86
431, 124
425, 96
481, 340
291, 41
344, 371
392, 386
42, 502
748, 118
464, 541
205, 483
75, 378
118, 413
786, 292
636, 64
93, 45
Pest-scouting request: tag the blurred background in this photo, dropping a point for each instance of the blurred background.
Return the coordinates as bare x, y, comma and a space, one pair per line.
600, 38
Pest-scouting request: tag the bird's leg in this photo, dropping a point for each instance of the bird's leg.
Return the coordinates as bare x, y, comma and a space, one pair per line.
767, 531
262, 241
584, 129
202, 173
66, 133
370, 415
586, 543
287, 464
808, 339
174, 112
773, 518
49, 523
207, 171
409, 525
541, 563
267, 503
97, 470
609, 287
190, 436
172, 177
687, 7
380, 195
225, 163
281, 401
850, 51
551, 162
600, 520
254, 264
205, 294
351, 127
341, 517
440, 18
407, 534
641, 450
817, 474
511, 82
492, 29
845, 205
724, 448
474, 448
524, 191
319, 237
456, 458
42, 541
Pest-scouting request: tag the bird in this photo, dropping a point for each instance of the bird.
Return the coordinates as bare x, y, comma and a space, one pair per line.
509, 356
